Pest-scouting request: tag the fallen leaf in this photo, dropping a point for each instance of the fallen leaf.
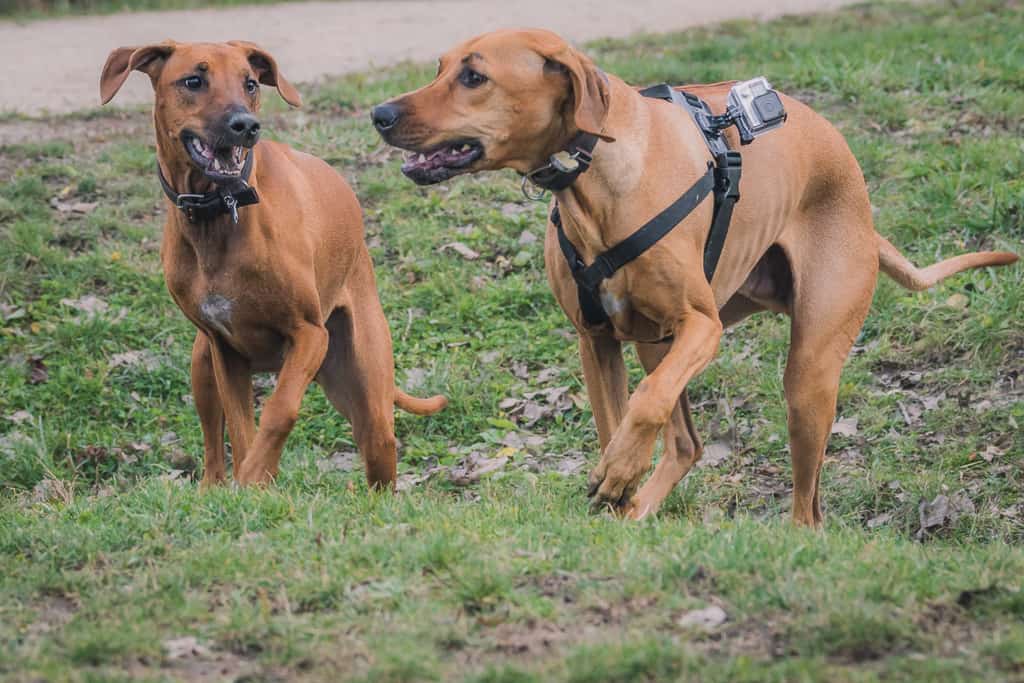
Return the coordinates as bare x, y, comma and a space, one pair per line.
879, 520
548, 374
131, 359
473, 466
911, 412
340, 461
958, 301
715, 454
462, 250
847, 426
89, 304
991, 452
527, 237
942, 510
520, 371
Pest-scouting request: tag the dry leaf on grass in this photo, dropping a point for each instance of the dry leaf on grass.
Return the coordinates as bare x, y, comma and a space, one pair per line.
133, 359
714, 454
340, 461
89, 304
942, 510
846, 426
461, 249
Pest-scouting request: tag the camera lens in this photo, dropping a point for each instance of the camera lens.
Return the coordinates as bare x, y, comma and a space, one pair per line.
768, 107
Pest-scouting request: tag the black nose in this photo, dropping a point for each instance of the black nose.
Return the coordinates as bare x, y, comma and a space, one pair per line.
385, 116
243, 128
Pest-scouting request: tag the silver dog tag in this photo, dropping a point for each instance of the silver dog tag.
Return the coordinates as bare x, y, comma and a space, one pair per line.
564, 162
232, 205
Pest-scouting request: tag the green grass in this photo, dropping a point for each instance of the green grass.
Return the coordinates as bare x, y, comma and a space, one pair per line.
109, 555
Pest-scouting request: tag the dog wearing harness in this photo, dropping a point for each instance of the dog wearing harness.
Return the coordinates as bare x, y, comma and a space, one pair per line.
722, 179
801, 243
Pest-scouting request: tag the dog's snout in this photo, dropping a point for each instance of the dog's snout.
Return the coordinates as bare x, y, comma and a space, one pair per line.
243, 127
385, 116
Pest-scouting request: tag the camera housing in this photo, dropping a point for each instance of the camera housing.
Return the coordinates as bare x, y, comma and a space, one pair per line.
756, 108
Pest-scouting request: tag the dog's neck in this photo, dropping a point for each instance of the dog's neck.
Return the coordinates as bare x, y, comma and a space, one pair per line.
209, 239
612, 199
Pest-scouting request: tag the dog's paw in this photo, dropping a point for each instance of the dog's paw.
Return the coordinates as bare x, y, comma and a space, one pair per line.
612, 488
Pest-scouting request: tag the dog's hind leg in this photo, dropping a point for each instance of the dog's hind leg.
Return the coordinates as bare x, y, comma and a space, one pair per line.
358, 377
210, 410
832, 288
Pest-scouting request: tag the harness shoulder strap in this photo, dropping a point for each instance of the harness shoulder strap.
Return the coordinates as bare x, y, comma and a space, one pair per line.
722, 180
589, 278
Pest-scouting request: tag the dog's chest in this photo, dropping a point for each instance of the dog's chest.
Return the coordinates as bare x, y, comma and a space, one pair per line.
216, 311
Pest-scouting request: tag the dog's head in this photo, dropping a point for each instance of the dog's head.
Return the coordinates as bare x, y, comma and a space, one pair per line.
507, 99
207, 98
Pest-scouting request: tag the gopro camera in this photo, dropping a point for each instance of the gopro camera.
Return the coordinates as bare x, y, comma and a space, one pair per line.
756, 108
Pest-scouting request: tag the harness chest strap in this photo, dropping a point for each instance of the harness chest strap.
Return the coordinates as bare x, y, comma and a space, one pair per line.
204, 207
722, 179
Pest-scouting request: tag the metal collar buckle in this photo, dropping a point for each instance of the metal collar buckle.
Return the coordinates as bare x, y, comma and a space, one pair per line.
561, 162
182, 198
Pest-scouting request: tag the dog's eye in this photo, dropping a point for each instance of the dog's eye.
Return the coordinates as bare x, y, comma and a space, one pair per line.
193, 82
471, 79
251, 86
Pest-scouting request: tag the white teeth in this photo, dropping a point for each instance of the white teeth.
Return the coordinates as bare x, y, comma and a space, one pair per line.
421, 159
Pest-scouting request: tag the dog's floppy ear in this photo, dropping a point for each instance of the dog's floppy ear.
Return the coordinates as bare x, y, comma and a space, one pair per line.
591, 95
149, 59
266, 71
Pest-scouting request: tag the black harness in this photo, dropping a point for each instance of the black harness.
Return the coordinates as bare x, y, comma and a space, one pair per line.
223, 200
722, 180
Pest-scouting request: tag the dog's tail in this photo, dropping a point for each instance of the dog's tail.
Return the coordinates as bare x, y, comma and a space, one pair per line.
895, 265
419, 406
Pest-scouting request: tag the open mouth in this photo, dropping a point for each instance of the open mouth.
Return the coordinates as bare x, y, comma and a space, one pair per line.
217, 163
443, 162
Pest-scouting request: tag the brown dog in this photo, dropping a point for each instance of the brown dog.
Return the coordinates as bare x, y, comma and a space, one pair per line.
286, 287
802, 242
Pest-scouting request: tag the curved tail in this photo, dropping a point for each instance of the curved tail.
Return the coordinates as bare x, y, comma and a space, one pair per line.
895, 265
419, 406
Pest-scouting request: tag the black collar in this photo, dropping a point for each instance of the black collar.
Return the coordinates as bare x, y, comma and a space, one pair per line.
562, 168
223, 200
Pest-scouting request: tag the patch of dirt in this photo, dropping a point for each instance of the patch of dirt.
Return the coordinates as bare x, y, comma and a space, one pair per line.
79, 131
53, 612
754, 638
950, 627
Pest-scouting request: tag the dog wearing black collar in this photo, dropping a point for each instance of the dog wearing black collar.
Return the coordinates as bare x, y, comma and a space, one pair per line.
263, 250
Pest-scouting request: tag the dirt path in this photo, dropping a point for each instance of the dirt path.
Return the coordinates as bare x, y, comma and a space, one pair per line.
54, 65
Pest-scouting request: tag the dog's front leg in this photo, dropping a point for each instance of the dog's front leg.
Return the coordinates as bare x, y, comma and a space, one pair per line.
210, 411
628, 456
233, 375
607, 384
281, 411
